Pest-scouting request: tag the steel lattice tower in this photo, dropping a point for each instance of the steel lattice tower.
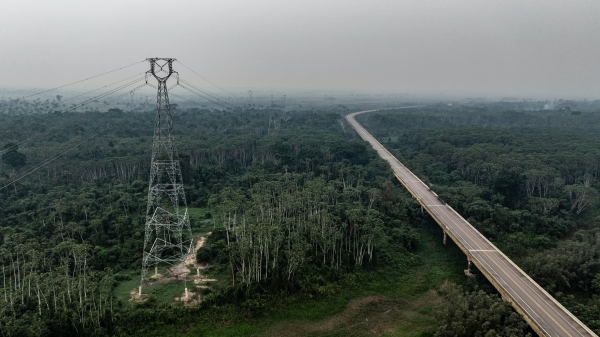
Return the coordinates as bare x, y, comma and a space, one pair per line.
168, 237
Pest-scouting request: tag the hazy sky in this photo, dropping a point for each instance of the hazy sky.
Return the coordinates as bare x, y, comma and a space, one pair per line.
494, 47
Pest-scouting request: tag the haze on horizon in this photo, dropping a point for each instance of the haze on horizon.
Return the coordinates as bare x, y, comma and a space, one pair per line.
495, 48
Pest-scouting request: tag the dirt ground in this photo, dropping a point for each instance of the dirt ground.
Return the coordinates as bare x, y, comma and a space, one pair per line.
366, 316
177, 272
135, 297
191, 300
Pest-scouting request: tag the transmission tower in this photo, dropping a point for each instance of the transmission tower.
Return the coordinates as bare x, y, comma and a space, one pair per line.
168, 237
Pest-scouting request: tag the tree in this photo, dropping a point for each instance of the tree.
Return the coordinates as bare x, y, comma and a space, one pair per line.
13, 157
581, 197
476, 314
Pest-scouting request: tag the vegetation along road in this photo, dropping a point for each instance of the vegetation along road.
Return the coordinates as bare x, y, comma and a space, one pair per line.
543, 313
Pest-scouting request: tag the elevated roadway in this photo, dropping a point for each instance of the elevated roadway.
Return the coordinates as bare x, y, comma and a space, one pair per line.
543, 313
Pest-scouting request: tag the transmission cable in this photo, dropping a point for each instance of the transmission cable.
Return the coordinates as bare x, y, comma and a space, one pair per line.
139, 106
172, 94
204, 97
216, 97
108, 93
185, 99
203, 94
199, 92
108, 85
48, 161
208, 94
89, 78
127, 93
225, 91
16, 145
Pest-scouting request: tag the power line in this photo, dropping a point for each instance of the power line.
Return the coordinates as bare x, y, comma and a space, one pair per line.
89, 78
213, 98
139, 106
108, 85
108, 93
204, 96
129, 92
194, 89
185, 99
207, 93
216, 97
77, 106
225, 91
48, 161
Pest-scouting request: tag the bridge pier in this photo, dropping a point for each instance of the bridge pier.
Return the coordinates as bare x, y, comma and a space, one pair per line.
468, 270
444, 237
421, 209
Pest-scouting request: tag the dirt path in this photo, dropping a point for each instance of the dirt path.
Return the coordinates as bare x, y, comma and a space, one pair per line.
181, 271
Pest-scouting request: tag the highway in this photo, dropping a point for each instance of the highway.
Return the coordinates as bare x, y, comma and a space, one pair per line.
541, 311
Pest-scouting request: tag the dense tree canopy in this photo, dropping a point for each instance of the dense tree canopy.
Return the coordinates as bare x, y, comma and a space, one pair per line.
296, 204
528, 180
12, 157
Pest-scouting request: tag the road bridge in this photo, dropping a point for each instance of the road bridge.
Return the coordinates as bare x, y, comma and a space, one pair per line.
543, 313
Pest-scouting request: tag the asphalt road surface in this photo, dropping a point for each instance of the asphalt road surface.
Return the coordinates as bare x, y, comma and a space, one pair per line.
543, 313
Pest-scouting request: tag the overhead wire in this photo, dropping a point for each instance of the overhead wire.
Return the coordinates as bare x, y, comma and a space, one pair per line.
89, 78
48, 161
225, 91
178, 84
192, 89
108, 93
181, 97
205, 97
77, 106
185, 99
108, 85
127, 93
204, 91
139, 106
213, 98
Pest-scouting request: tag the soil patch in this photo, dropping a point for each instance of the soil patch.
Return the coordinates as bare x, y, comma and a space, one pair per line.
136, 297
191, 300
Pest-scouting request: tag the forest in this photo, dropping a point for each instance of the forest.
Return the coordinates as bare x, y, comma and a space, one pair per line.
299, 219
528, 180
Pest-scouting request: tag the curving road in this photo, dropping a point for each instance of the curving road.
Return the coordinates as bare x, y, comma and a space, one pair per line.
543, 313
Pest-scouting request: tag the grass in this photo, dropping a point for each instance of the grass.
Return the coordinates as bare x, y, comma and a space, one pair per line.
391, 303
198, 220
166, 292
162, 293
123, 289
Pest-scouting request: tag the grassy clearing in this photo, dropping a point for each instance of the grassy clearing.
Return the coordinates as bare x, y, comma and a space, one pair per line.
122, 291
162, 292
384, 303
198, 220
